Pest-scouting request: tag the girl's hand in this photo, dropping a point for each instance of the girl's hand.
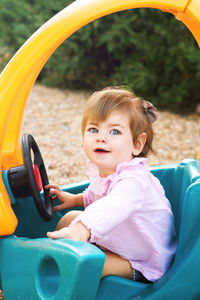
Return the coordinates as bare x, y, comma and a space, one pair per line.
76, 232
67, 200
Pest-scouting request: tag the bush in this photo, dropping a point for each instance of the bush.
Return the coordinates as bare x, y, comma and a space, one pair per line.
145, 49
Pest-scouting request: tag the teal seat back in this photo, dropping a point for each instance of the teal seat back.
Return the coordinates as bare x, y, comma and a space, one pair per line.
176, 179
185, 174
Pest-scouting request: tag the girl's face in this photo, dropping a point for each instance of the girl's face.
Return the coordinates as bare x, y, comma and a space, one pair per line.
110, 142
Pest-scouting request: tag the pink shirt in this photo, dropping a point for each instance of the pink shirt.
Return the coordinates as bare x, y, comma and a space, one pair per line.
128, 214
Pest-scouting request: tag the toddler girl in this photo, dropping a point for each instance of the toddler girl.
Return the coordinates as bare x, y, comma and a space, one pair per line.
126, 212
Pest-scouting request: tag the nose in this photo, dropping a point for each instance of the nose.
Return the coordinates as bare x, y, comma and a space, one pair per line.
101, 137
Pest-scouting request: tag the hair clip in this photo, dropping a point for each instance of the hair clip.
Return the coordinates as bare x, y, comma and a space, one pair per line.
151, 111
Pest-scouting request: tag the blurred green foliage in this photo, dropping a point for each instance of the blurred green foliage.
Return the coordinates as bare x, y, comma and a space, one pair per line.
144, 49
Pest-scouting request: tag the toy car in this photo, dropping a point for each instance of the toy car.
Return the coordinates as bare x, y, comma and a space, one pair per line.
35, 267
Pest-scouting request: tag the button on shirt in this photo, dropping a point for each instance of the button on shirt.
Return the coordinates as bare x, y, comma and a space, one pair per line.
127, 213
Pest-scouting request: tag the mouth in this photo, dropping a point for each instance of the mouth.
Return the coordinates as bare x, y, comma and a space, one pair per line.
101, 150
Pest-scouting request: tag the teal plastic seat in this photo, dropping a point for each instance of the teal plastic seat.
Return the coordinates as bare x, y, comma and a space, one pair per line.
33, 266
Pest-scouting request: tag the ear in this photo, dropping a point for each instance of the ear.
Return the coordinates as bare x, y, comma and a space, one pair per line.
139, 145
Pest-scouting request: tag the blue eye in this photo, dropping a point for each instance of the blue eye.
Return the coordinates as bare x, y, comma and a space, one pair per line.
115, 131
93, 130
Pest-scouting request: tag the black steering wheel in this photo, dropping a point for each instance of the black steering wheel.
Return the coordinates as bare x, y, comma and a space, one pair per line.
45, 208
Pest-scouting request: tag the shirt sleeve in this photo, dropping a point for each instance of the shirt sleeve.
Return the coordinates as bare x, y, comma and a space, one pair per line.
86, 201
105, 214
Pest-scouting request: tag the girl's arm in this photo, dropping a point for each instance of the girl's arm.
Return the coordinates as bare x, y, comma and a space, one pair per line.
102, 216
67, 200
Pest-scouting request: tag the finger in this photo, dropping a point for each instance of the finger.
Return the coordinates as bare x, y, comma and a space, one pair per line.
53, 197
49, 185
50, 235
56, 234
54, 193
59, 207
53, 186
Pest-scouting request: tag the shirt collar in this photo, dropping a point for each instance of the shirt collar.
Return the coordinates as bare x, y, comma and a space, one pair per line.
94, 172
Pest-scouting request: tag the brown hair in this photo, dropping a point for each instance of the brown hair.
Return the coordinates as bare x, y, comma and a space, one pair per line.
102, 103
